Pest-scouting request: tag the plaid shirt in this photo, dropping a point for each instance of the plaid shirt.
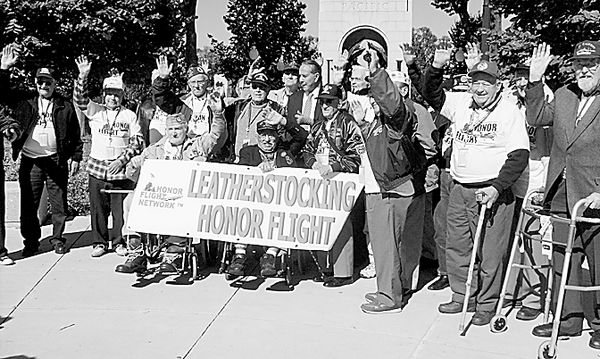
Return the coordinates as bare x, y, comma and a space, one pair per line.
99, 168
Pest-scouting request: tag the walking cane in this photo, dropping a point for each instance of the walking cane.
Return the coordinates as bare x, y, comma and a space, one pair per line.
461, 327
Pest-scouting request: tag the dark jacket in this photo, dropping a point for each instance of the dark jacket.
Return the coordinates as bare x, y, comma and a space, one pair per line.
25, 109
345, 134
394, 151
295, 105
574, 148
250, 156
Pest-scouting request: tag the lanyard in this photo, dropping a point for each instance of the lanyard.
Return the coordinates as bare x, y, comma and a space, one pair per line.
250, 118
105, 115
194, 98
44, 114
583, 107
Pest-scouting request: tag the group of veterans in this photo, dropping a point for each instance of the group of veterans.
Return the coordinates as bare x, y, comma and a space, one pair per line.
430, 155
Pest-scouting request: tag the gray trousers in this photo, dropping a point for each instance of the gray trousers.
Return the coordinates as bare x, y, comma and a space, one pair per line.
463, 214
341, 254
440, 221
394, 226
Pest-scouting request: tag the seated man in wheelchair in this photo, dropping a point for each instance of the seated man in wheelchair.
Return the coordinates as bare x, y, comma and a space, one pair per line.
268, 154
175, 146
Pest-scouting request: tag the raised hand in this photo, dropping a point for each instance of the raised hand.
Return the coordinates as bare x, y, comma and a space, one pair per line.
204, 65
407, 54
442, 55
163, 67
357, 111
540, 59
214, 102
473, 55
84, 65
254, 68
338, 68
10, 56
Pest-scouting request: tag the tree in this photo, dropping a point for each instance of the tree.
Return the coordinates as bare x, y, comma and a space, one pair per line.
125, 34
273, 27
423, 46
561, 24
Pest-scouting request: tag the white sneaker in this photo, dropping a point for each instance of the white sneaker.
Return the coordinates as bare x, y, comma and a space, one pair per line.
368, 271
121, 250
5, 260
98, 250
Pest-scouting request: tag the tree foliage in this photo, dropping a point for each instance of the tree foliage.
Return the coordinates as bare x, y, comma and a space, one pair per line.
274, 27
124, 34
423, 46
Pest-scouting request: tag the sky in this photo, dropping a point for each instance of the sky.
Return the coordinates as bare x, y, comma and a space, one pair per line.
210, 18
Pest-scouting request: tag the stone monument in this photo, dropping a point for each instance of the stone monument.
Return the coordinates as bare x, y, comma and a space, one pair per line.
343, 23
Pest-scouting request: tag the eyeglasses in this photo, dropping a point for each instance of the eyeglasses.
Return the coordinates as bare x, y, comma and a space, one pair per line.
197, 82
44, 82
260, 87
590, 64
328, 101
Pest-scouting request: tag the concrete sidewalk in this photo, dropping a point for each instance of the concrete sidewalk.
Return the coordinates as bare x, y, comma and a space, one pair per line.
74, 306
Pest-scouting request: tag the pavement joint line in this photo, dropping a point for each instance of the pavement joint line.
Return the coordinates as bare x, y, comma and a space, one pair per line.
423, 340
39, 281
212, 321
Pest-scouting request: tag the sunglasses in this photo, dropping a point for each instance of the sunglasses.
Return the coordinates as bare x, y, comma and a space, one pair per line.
260, 87
328, 101
44, 82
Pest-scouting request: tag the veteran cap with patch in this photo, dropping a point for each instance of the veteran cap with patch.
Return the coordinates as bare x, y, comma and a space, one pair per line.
45, 72
330, 92
586, 50
485, 67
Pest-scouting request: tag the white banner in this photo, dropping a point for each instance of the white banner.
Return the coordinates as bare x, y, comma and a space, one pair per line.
285, 208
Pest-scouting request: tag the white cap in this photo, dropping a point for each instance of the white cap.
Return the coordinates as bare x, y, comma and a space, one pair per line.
114, 82
399, 77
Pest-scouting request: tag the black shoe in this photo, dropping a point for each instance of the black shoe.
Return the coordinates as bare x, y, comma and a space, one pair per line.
441, 283
483, 317
337, 282
237, 266
29, 251
136, 263
169, 263
455, 307
595, 340
528, 314
267, 265
59, 248
545, 331
326, 277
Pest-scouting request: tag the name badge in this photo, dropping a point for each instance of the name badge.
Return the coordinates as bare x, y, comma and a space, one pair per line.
461, 156
43, 139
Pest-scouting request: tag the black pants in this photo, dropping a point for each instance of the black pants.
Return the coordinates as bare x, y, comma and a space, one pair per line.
3, 250
577, 305
102, 204
33, 174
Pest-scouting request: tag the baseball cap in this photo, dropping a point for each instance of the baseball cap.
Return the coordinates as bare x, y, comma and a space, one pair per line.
260, 79
586, 50
175, 119
265, 126
114, 82
45, 72
195, 71
330, 92
522, 70
291, 67
486, 67
399, 77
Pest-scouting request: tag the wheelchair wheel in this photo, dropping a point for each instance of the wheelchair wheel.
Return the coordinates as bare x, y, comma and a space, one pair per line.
544, 351
193, 266
498, 324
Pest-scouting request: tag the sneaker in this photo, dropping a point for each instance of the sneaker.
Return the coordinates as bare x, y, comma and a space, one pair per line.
121, 250
267, 265
237, 265
368, 271
170, 263
5, 260
98, 250
136, 263
378, 307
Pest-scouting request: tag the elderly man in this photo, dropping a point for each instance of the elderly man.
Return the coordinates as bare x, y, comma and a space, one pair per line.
290, 85
490, 151
177, 146
335, 144
116, 138
194, 106
303, 106
394, 177
50, 139
421, 242
573, 174
269, 153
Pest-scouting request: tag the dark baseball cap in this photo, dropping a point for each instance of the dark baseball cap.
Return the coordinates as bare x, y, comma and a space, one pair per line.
485, 67
260, 79
330, 92
586, 50
265, 126
45, 72
291, 67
